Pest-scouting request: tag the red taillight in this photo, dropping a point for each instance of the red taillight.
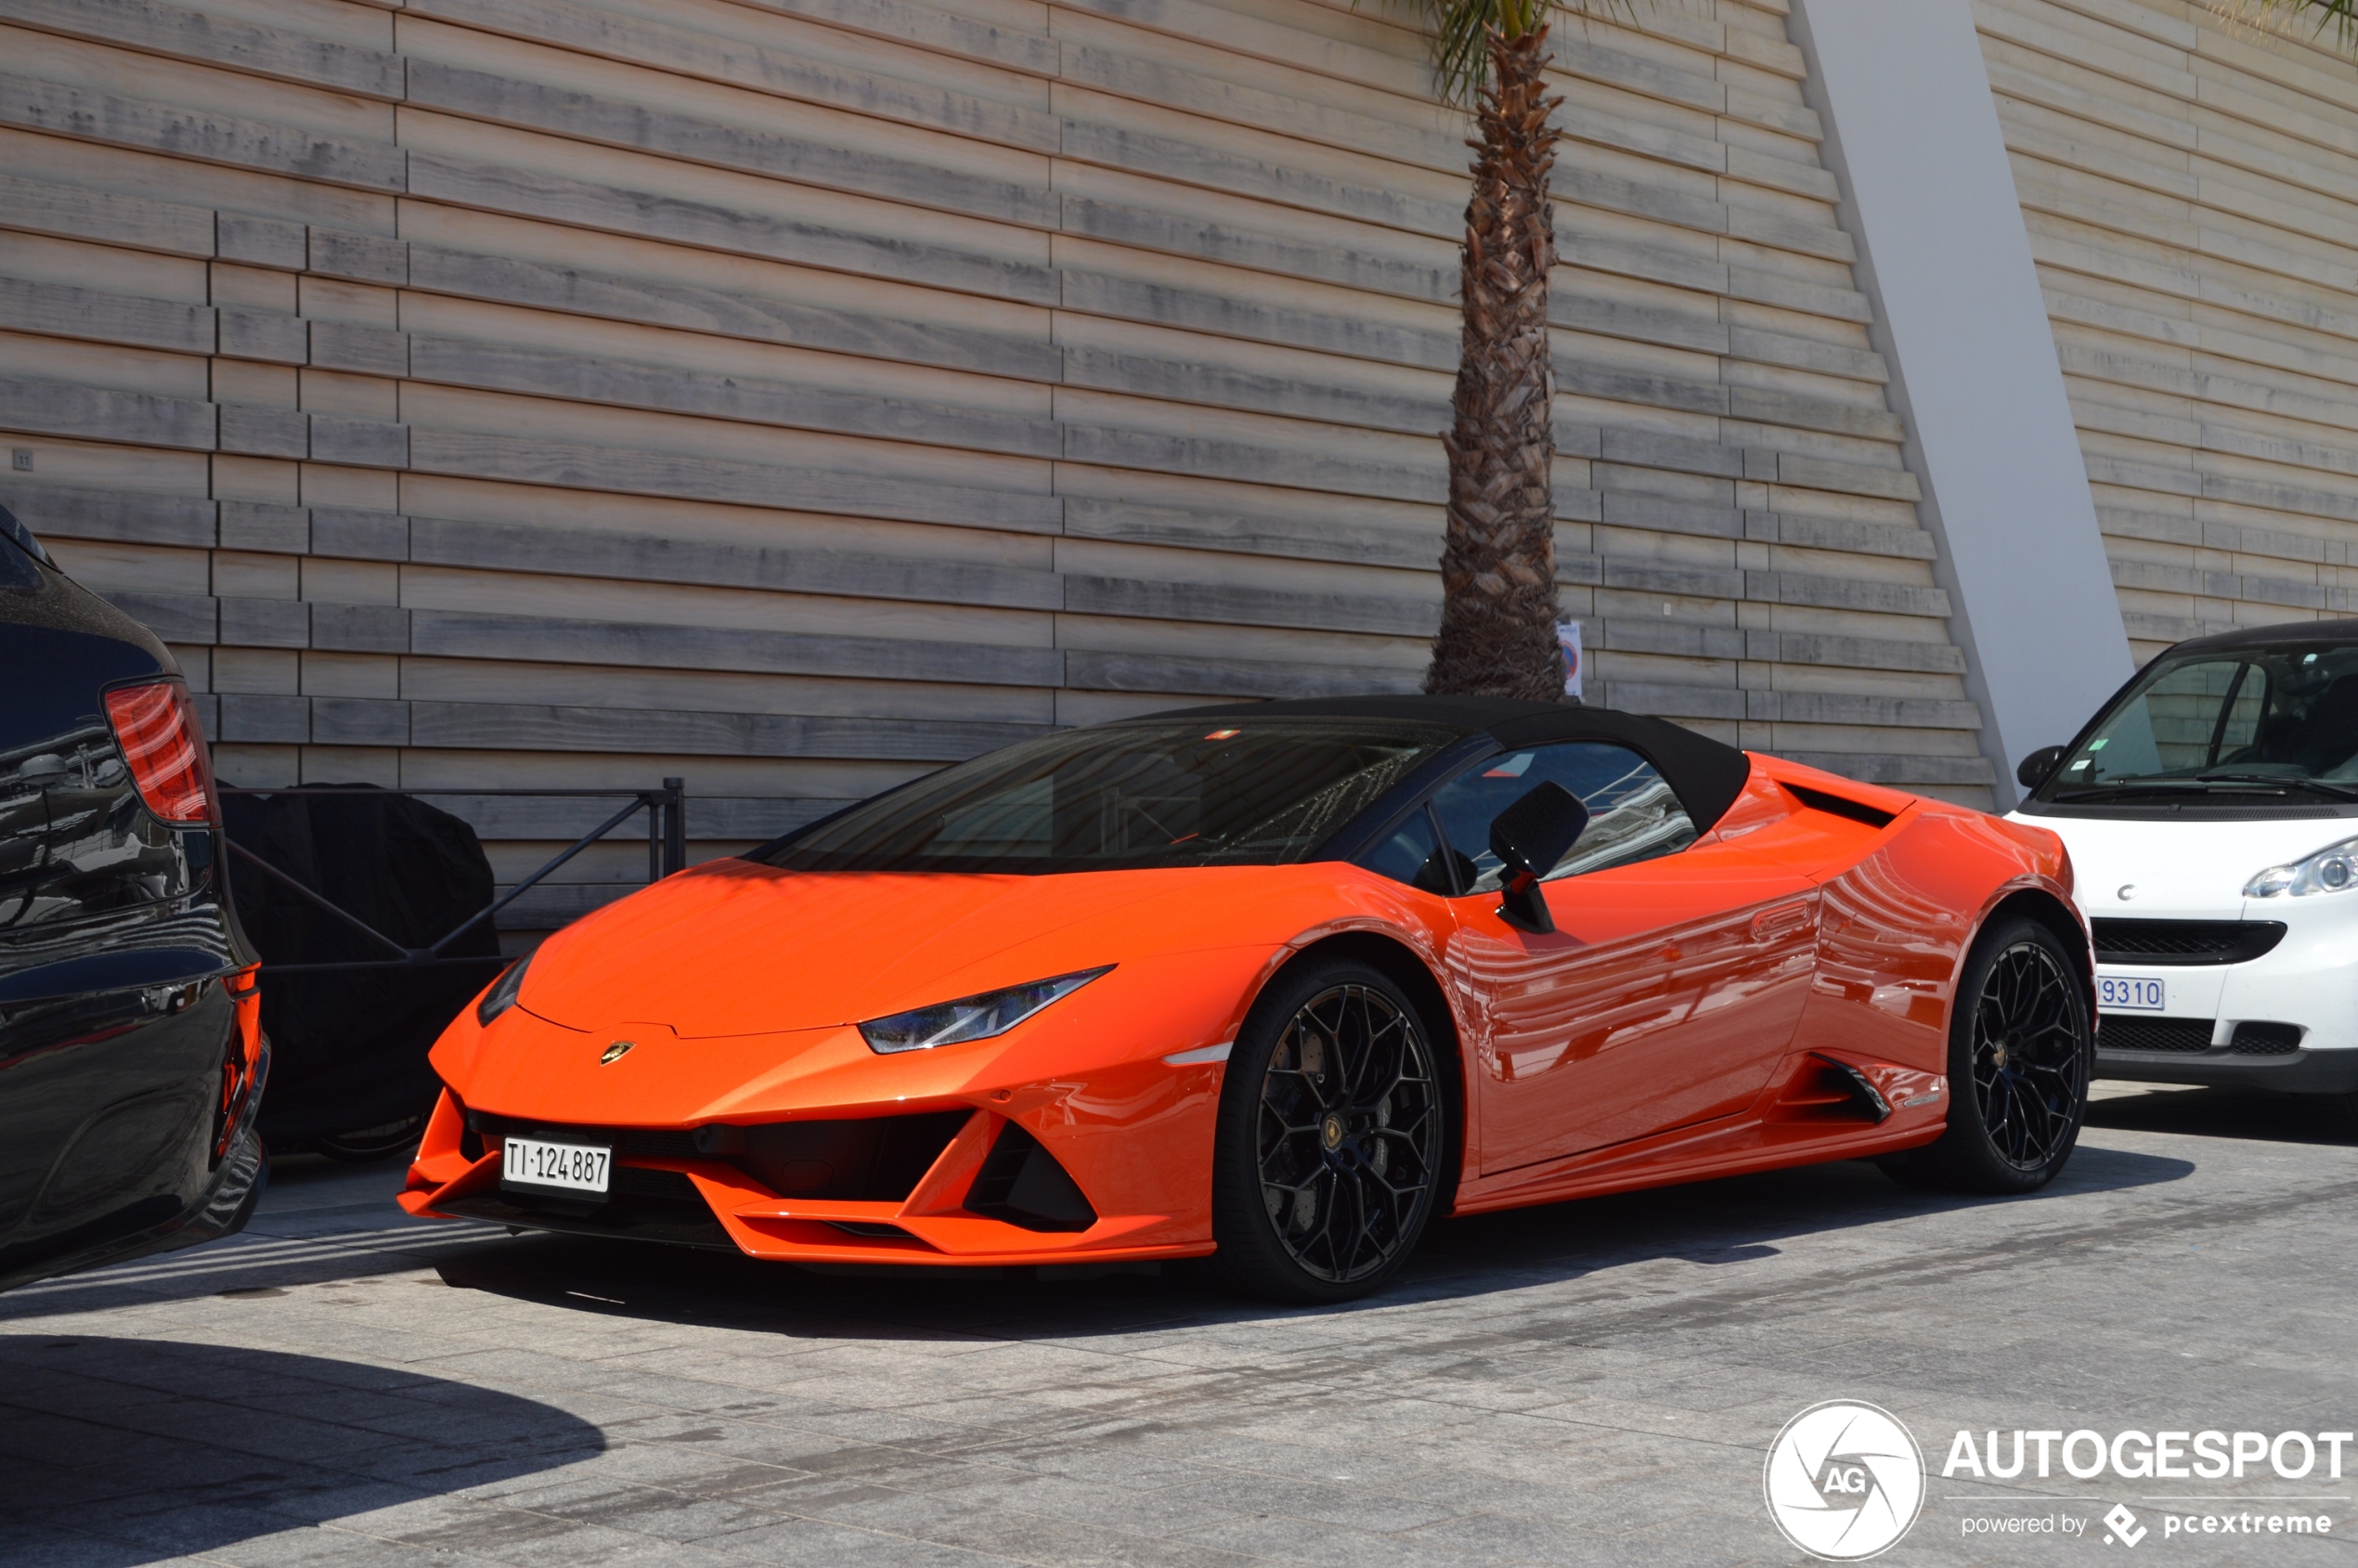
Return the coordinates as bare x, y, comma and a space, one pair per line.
157, 727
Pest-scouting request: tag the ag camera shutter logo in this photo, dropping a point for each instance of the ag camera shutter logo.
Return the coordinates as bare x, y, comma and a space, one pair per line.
1844, 1481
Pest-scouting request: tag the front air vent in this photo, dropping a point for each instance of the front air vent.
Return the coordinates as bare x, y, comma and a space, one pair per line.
627, 1143
865, 1159
1841, 806
2155, 1034
2148, 943
1022, 1184
871, 1160
642, 1206
2267, 1039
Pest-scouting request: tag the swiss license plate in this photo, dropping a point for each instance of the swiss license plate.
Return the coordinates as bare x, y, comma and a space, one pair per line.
2129, 994
532, 1162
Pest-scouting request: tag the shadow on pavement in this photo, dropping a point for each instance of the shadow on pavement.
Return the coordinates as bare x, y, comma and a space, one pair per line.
2231, 1113
115, 1451
1718, 1224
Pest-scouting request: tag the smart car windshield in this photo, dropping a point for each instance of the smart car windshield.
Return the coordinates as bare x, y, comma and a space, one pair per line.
2279, 717
1203, 792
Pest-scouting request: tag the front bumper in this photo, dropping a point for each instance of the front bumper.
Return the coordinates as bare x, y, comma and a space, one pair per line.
2286, 1019
978, 1201
807, 1146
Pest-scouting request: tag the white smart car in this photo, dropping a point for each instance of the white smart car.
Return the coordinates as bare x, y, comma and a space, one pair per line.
2211, 812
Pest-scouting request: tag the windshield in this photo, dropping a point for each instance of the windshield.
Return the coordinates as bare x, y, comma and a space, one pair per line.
1207, 792
2282, 718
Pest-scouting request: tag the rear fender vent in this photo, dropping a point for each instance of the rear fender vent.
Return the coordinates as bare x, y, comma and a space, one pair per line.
1826, 1090
1841, 806
1021, 1183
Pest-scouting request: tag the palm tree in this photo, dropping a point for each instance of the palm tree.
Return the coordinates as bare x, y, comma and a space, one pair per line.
1498, 633
2339, 17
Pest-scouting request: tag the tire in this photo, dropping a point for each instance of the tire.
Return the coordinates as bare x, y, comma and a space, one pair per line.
365, 1145
1337, 1136
2021, 1045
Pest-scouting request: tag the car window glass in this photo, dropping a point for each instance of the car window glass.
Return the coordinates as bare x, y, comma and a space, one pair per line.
2168, 728
2288, 711
16, 564
1202, 792
2239, 724
1412, 853
1632, 813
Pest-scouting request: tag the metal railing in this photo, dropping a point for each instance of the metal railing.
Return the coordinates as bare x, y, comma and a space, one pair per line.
667, 853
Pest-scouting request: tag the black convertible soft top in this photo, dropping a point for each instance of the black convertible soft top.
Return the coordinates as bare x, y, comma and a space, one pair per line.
1706, 775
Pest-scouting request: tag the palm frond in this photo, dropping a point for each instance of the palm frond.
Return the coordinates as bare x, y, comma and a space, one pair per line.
2337, 16
1459, 29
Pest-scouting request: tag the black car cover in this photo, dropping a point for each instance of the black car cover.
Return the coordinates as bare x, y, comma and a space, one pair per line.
348, 1046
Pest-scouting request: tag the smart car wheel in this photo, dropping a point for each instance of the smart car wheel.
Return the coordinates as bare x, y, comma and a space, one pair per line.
1333, 1129
2020, 1044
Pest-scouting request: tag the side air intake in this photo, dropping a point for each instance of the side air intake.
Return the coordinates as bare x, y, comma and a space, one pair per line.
1841, 806
1021, 1183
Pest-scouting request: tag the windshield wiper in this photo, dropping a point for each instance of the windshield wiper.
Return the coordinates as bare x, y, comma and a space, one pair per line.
2317, 786
2135, 786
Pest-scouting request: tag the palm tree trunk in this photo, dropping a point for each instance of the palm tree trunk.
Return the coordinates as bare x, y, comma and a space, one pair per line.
1498, 631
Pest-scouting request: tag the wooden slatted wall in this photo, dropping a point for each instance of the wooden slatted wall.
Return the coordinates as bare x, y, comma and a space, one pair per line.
792, 395
2191, 188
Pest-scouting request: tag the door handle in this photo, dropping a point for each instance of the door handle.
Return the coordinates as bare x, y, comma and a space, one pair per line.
1785, 919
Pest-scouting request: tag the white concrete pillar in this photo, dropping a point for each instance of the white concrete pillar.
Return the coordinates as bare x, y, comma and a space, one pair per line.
1912, 134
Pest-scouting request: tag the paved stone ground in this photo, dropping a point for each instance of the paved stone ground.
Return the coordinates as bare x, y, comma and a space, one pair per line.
1593, 1383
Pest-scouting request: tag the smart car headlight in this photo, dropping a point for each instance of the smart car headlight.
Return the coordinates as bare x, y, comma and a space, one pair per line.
502, 995
2333, 869
971, 1018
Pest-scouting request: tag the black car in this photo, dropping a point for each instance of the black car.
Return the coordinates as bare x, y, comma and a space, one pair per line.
132, 1057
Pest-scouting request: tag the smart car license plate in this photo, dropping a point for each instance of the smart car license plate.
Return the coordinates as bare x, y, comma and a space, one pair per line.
530, 1162
2129, 993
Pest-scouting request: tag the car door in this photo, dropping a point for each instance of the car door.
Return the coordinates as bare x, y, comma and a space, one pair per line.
1671, 986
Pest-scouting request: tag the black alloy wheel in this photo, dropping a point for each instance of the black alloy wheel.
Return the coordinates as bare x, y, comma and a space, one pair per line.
2029, 1071
2020, 1047
1335, 1130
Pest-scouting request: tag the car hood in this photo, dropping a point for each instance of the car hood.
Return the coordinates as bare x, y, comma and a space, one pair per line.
2184, 869
733, 948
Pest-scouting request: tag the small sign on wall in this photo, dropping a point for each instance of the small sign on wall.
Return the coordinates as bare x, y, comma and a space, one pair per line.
1568, 638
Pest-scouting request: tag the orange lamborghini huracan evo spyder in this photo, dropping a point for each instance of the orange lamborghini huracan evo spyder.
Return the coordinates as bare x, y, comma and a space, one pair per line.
1278, 983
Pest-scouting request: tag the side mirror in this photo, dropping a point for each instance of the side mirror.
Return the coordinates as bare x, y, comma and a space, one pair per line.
1530, 837
2037, 765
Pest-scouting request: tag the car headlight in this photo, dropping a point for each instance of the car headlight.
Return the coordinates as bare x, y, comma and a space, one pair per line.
2333, 869
502, 995
970, 1017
